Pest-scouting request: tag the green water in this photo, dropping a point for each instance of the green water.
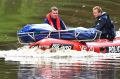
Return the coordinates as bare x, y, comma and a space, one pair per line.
14, 14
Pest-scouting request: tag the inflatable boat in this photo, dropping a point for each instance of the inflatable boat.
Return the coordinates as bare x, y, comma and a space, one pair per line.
46, 37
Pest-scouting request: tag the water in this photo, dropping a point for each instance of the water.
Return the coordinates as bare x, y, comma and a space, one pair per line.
25, 63
14, 14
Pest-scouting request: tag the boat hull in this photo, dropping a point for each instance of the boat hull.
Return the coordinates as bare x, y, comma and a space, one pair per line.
99, 46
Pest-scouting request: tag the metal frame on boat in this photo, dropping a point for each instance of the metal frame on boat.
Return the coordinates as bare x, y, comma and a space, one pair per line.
33, 34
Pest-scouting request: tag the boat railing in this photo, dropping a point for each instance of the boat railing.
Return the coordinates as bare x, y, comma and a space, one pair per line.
26, 34
31, 35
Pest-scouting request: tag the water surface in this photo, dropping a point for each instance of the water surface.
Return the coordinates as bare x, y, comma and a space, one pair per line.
24, 63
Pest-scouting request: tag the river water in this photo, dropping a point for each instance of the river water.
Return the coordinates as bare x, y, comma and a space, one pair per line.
25, 63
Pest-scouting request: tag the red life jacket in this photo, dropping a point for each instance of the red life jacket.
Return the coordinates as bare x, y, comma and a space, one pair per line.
51, 22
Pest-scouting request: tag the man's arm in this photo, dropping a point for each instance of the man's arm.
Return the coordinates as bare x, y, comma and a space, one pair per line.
100, 24
46, 21
63, 26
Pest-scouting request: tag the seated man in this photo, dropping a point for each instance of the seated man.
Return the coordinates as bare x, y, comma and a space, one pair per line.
103, 23
54, 20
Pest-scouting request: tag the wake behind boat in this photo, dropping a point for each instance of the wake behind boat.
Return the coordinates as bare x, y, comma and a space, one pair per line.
46, 37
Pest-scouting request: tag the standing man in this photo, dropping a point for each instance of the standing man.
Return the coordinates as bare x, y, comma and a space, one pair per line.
54, 20
103, 23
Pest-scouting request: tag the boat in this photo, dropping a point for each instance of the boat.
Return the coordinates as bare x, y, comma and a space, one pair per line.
46, 37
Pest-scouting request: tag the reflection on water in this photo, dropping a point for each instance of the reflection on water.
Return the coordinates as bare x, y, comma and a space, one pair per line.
66, 71
22, 64
19, 64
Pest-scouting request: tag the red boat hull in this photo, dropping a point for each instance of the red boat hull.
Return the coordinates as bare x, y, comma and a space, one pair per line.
100, 45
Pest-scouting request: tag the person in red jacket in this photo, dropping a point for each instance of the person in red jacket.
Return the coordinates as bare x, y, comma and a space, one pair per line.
54, 20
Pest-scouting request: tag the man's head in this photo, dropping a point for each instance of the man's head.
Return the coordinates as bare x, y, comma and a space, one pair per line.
97, 11
54, 12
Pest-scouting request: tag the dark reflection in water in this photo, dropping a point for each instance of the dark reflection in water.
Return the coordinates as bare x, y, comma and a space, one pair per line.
101, 69
8, 70
67, 71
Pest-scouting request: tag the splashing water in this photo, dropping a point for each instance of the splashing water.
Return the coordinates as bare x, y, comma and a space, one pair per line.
34, 55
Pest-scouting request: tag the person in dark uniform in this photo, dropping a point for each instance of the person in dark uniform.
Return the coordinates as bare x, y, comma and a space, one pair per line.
54, 20
103, 23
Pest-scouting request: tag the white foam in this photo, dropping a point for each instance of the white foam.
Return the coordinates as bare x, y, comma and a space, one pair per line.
34, 55
118, 33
